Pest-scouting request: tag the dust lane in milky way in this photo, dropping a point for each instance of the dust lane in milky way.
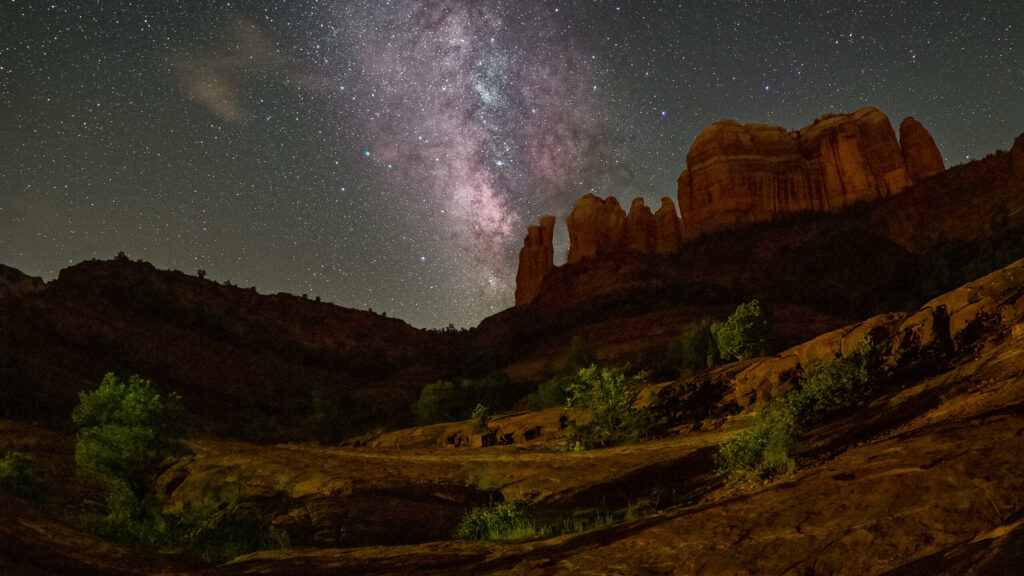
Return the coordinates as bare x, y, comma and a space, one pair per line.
476, 115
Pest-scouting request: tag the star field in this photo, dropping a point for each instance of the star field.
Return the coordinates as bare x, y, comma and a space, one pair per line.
390, 154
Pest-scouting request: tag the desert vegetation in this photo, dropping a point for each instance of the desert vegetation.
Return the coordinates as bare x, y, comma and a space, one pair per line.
21, 477
126, 430
764, 449
517, 521
608, 398
705, 343
448, 401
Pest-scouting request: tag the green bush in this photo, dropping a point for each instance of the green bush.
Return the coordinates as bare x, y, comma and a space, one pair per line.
608, 396
695, 349
551, 393
125, 429
222, 525
21, 478
481, 416
445, 401
763, 450
514, 521
502, 521
743, 334
834, 384
441, 401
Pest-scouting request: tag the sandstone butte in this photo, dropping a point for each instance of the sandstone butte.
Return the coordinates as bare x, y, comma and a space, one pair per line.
739, 174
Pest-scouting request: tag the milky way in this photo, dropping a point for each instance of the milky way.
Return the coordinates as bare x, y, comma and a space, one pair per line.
474, 108
389, 155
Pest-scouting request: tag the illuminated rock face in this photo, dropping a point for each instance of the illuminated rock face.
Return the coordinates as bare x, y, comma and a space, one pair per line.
536, 258
595, 226
919, 150
741, 174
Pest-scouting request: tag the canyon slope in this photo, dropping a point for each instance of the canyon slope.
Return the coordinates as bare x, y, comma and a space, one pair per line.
921, 477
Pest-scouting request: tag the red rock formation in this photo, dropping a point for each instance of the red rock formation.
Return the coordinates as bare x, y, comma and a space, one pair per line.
740, 174
1017, 155
668, 237
640, 233
535, 259
920, 153
595, 226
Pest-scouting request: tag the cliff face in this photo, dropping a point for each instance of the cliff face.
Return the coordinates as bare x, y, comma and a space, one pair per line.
600, 226
919, 150
740, 174
595, 226
536, 258
1017, 155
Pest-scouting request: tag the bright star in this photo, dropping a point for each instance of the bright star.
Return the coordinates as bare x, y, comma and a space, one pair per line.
423, 258
367, 153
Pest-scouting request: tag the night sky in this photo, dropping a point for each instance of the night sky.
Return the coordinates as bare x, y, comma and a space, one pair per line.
390, 154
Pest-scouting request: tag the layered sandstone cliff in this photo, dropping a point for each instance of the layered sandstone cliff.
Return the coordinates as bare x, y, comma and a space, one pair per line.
741, 174
600, 226
536, 258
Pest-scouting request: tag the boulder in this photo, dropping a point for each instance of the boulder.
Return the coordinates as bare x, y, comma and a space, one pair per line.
920, 153
536, 258
595, 226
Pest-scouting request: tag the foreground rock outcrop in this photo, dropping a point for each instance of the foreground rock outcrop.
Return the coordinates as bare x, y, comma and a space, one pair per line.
739, 174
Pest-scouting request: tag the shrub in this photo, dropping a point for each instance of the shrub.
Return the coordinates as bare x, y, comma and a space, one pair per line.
834, 384
763, 449
21, 478
125, 429
695, 349
502, 521
551, 393
222, 525
608, 396
441, 401
481, 416
743, 334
